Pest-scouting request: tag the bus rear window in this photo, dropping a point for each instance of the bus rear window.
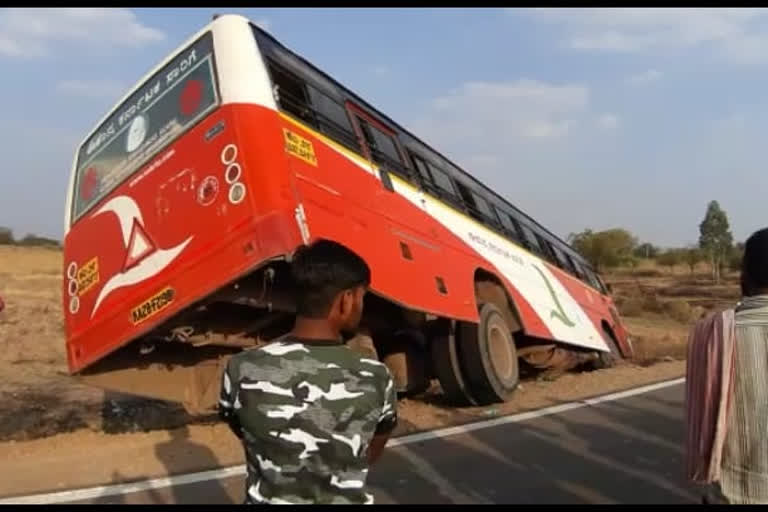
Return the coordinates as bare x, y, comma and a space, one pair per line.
172, 101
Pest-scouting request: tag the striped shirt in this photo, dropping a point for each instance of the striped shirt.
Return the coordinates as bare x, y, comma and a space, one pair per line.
744, 469
708, 393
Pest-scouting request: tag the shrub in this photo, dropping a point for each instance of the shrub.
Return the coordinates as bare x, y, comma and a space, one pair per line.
652, 304
647, 272
630, 306
6, 236
679, 310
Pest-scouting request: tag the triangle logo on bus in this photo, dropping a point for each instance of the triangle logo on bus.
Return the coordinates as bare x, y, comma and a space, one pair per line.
140, 245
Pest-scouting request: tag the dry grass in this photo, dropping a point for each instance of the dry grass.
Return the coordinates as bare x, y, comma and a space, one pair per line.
32, 352
679, 310
658, 338
32, 325
30, 261
630, 306
645, 272
660, 305
654, 349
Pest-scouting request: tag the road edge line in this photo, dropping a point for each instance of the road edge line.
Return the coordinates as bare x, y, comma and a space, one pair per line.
218, 474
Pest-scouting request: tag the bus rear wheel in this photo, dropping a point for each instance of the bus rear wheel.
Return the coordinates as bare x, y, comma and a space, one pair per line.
447, 368
489, 356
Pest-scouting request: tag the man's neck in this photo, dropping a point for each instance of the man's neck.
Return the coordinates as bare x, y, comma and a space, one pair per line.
314, 329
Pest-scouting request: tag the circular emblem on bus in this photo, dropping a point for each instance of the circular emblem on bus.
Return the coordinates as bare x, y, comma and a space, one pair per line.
191, 97
236, 193
89, 184
74, 304
208, 190
232, 174
136, 133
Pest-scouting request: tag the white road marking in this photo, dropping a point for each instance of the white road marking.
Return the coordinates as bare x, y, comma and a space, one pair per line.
220, 474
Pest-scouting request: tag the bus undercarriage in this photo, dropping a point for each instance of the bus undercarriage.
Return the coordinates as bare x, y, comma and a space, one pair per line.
476, 364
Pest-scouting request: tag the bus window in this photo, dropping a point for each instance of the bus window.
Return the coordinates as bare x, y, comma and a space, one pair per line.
159, 111
483, 207
562, 262
382, 145
332, 118
466, 196
421, 167
576, 268
510, 224
531, 238
291, 94
441, 179
591, 278
506, 220
546, 249
603, 288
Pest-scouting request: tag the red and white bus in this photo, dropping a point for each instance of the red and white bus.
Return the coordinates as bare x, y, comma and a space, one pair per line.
188, 199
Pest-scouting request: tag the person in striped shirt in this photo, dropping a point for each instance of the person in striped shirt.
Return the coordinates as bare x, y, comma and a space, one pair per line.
727, 391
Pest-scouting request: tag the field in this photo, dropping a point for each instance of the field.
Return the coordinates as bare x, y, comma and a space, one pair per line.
39, 399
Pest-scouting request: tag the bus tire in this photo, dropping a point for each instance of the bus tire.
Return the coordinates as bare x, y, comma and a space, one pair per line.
407, 365
489, 356
608, 359
447, 369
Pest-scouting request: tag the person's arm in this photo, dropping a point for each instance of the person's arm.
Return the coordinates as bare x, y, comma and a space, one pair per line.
387, 422
226, 404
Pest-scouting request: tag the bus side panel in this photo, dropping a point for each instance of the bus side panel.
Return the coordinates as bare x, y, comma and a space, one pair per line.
339, 194
597, 307
193, 219
441, 242
419, 211
416, 261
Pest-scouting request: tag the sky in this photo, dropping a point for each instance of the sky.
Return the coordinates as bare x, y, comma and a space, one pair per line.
583, 118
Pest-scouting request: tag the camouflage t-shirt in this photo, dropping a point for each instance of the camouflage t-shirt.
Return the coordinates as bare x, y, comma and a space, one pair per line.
307, 411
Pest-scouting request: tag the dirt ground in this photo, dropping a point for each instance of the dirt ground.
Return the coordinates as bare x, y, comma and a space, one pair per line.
40, 403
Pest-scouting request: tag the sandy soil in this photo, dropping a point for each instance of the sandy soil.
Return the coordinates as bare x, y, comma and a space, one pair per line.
47, 420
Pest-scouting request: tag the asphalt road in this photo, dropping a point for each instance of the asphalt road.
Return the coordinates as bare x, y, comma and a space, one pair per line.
621, 451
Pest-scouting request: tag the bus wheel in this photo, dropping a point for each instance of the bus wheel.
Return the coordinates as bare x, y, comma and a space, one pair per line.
608, 359
489, 356
446, 367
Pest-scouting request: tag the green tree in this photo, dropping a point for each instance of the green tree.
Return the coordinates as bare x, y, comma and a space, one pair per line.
715, 237
735, 256
602, 249
646, 250
31, 240
670, 258
6, 236
692, 256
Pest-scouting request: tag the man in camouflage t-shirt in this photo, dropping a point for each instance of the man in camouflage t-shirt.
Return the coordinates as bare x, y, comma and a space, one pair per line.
312, 413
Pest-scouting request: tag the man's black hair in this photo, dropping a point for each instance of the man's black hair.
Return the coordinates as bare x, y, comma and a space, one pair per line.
323, 270
755, 262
